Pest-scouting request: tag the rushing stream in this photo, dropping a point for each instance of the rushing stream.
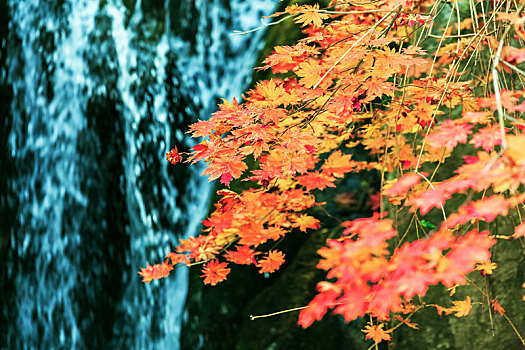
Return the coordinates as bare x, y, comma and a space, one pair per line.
93, 94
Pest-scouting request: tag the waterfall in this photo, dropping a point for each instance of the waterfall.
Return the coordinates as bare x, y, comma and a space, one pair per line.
101, 90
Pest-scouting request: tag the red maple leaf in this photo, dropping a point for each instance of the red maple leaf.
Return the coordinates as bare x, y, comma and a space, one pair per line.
173, 156
487, 137
497, 307
449, 134
427, 200
202, 128
403, 184
515, 56
463, 256
323, 301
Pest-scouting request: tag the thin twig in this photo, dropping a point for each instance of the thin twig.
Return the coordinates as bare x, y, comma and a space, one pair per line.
278, 312
354, 45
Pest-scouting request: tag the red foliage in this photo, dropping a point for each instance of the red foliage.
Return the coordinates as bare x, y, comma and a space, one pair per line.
173, 156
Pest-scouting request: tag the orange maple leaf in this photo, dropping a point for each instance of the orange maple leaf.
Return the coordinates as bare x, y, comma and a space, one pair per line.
202, 128
338, 164
177, 258
316, 180
227, 168
272, 262
155, 272
305, 221
215, 272
243, 256
377, 333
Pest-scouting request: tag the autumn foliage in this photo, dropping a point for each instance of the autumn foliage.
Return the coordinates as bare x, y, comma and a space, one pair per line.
389, 80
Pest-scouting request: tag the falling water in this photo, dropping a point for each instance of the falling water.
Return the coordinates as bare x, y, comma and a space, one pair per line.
100, 91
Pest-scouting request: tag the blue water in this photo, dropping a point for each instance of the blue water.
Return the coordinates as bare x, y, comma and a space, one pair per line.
98, 92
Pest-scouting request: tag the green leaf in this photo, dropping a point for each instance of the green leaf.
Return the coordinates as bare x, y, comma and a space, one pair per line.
427, 224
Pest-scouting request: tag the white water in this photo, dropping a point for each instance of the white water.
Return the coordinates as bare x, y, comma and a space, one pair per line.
50, 137
45, 130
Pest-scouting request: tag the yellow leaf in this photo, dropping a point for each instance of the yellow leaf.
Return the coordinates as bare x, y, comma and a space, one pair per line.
486, 267
311, 15
462, 307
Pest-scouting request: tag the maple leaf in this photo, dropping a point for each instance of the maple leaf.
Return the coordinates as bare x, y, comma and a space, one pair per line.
442, 310
486, 209
338, 164
516, 148
403, 184
519, 231
215, 272
305, 221
320, 304
317, 308
272, 262
316, 180
274, 232
273, 94
243, 255
377, 87
310, 14
202, 128
155, 272
346, 199
449, 134
462, 257
487, 137
377, 333
173, 156
343, 105
486, 268
310, 72
497, 307
462, 307
374, 201
516, 56
227, 168
427, 200
177, 258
